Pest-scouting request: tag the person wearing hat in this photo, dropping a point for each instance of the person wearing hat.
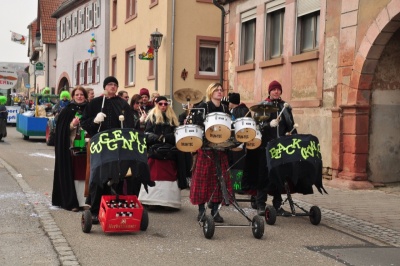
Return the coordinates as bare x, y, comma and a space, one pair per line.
256, 161
147, 104
97, 118
160, 137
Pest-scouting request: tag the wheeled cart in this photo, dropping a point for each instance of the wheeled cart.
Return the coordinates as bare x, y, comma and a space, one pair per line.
118, 214
207, 221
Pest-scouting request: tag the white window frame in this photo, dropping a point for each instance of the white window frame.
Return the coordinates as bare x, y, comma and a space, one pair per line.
59, 29
62, 29
247, 18
67, 26
97, 80
131, 61
82, 76
81, 20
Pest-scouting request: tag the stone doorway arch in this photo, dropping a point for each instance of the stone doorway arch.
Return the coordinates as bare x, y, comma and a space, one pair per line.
351, 117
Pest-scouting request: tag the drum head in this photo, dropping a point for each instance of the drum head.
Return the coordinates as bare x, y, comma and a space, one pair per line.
253, 144
189, 144
218, 133
245, 134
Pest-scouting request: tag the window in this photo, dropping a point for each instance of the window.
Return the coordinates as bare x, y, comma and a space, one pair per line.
68, 27
130, 67
94, 70
153, 3
309, 28
130, 9
88, 17
247, 37
114, 66
59, 30
62, 29
96, 13
274, 29
207, 56
308, 16
114, 14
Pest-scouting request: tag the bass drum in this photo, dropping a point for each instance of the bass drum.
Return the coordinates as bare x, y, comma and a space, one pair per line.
245, 129
188, 138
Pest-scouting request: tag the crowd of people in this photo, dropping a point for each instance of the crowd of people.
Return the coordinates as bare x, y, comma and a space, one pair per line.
169, 169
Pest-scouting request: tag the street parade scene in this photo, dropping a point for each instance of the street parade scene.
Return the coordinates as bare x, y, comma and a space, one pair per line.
119, 145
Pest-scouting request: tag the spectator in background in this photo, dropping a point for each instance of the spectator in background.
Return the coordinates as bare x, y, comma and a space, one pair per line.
124, 95
3, 117
139, 115
147, 104
90, 93
154, 95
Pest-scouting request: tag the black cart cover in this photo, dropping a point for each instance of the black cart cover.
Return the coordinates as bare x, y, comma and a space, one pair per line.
298, 158
114, 151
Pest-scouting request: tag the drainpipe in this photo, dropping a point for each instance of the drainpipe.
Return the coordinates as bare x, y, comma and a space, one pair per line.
171, 72
221, 67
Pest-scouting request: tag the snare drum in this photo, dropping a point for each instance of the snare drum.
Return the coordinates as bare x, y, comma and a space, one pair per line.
245, 129
189, 138
228, 144
254, 143
217, 127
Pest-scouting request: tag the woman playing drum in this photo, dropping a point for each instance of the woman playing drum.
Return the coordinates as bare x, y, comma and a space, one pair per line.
204, 174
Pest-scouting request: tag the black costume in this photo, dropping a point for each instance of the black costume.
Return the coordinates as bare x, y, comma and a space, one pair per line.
256, 178
113, 108
64, 194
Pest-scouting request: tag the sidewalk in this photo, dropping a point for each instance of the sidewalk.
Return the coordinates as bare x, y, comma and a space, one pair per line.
375, 213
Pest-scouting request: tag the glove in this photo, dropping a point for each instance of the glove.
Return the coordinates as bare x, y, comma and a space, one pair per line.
225, 100
274, 123
99, 118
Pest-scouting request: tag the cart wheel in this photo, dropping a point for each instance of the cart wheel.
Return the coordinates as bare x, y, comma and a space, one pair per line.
144, 223
25, 137
253, 202
258, 226
86, 221
270, 215
315, 215
208, 227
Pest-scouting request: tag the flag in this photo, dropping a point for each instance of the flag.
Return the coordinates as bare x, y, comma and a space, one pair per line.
15, 37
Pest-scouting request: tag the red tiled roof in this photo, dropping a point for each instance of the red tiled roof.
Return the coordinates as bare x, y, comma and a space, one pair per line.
48, 24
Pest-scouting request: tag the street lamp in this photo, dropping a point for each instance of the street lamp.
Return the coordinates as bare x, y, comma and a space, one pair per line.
156, 38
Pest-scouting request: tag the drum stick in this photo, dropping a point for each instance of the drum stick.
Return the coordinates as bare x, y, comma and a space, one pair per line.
247, 113
102, 105
285, 105
122, 118
291, 131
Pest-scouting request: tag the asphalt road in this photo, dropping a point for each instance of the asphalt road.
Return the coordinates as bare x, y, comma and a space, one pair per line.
35, 233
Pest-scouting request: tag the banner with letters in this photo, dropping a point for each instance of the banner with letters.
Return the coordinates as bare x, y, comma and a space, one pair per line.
113, 152
297, 158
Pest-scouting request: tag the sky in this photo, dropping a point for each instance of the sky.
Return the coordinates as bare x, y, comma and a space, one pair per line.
16, 15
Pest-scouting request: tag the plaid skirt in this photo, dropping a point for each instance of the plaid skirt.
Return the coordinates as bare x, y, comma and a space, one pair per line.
204, 177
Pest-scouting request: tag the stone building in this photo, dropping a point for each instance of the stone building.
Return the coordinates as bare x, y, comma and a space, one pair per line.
338, 63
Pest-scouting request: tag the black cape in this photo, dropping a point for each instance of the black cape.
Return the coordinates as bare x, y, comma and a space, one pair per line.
64, 194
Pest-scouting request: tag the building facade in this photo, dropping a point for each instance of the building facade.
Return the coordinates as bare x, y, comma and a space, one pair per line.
189, 54
82, 44
337, 63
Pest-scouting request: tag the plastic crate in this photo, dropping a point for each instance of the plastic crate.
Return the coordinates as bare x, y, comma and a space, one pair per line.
112, 219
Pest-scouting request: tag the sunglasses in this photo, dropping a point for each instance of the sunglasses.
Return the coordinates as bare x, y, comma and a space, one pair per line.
163, 104
139, 102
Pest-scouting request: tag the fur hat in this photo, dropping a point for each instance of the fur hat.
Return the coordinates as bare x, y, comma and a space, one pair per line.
234, 98
144, 91
108, 80
160, 98
274, 85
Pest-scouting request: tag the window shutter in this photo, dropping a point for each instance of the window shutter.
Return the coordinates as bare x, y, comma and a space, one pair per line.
90, 14
76, 75
89, 74
82, 77
248, 15
97, 70
275, 5
58, 30
98, 13
305, 7
82, 20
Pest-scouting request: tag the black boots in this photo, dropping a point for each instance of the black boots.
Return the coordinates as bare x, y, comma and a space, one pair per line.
214, 212
201, 216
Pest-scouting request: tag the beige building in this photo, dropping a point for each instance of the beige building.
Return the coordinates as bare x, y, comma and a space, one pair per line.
189, 54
